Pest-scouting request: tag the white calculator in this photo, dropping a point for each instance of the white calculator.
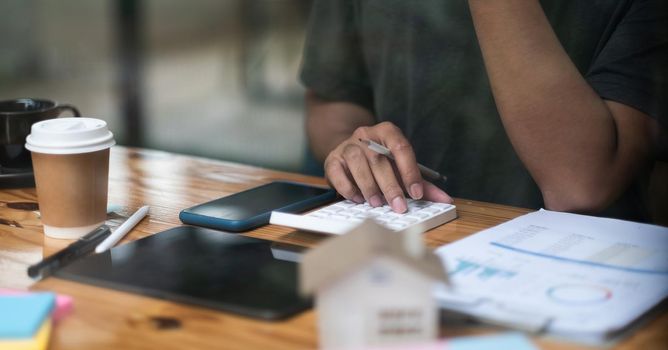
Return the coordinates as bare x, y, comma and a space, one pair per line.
340, 217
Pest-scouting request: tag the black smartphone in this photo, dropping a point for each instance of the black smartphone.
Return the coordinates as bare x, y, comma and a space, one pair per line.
252, 208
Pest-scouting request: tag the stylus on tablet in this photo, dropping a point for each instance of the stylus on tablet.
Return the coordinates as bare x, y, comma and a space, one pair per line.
122, 230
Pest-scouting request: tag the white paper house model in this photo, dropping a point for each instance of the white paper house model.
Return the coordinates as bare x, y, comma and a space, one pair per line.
373, 287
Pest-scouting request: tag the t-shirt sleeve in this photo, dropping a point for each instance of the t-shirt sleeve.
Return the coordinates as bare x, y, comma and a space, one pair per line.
332, 63
632, 67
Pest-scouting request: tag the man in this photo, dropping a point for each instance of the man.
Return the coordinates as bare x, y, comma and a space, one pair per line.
556, 104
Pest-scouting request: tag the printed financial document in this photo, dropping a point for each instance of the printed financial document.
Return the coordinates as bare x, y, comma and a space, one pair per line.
566, 274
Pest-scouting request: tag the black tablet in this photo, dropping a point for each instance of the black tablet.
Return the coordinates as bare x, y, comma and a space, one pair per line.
229, 272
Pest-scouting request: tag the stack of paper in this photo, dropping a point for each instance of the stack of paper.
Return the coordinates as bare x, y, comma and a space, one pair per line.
581, 277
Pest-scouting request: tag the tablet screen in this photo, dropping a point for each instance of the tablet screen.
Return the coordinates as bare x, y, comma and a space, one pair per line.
199, 266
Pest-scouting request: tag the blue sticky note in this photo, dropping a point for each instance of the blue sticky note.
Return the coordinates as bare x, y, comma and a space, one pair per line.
22, 315
515, 341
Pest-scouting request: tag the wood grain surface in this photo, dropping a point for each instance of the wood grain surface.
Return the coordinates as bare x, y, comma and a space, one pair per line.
108, 319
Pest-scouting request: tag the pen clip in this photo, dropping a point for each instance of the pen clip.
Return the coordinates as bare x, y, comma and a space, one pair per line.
95, 234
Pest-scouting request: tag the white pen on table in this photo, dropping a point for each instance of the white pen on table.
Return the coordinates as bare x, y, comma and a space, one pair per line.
122, 230
426, 172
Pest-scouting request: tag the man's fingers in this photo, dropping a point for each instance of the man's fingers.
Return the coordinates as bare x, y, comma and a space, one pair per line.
357, 164
404, 157
435, 194
388, 183
354, 170
339, 179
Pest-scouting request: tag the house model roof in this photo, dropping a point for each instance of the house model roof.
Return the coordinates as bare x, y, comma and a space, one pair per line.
338, 256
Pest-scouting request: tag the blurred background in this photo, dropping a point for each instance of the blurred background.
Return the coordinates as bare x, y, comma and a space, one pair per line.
213, 78
203, 77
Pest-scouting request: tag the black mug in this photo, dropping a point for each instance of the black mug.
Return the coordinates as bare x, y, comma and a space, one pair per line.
16, 118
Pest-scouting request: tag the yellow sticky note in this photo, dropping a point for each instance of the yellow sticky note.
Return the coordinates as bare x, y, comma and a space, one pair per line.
39, 342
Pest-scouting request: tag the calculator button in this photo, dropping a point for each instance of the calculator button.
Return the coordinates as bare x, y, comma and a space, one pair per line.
420, 215
330, 210
338, 217
393, 215
405, 221
380, 210
395, 227
345, 204
421, 204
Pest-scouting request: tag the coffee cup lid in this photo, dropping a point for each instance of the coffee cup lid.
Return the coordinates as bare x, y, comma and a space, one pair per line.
69, 136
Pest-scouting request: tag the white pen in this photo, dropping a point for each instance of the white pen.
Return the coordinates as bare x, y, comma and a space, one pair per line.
426, 172
122, 230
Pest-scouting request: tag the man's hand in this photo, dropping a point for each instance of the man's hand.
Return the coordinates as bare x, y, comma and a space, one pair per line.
360, 174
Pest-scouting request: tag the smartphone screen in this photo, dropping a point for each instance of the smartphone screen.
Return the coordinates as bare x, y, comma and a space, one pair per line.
251, 208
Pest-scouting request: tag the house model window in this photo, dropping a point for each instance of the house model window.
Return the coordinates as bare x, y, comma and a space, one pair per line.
373, 287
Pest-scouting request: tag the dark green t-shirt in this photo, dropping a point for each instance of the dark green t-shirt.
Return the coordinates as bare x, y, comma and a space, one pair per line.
418, 65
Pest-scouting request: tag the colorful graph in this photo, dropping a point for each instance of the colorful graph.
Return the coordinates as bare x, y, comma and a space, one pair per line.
578, 294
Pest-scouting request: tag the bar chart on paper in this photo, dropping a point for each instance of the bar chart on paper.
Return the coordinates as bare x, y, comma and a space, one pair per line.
479, 270
579, 274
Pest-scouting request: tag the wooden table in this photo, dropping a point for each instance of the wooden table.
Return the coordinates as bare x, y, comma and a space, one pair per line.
108, 319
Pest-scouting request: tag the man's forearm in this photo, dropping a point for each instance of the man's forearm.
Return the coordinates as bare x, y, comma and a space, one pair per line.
329, 123
569, 138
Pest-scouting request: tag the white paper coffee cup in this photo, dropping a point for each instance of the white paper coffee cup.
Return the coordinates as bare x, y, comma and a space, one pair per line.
71, 163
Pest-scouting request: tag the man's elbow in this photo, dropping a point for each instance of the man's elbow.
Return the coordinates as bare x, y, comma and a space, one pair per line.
590, 200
